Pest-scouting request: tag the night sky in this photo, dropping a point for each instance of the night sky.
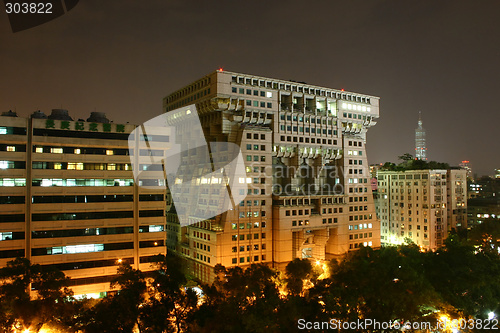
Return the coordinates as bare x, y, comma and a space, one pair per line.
122, 57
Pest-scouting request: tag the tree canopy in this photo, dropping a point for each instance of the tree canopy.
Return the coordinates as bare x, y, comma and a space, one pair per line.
397, 283
409, 163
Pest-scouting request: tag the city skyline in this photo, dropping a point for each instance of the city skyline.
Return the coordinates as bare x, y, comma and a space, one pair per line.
121, 60
193, 166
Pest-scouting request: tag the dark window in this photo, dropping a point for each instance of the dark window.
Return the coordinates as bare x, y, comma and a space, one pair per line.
150, 213
12, 218
82, 216
12, 253
74, 134
9, 199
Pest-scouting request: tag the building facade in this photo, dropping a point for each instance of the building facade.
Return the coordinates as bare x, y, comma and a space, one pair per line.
69, 200
480, 210
421, 205
309, 192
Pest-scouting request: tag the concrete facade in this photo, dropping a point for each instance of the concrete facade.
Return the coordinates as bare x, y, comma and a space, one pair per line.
69, 199
422, 205
309, 191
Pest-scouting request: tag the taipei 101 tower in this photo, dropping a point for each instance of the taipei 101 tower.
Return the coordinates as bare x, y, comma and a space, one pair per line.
420, 148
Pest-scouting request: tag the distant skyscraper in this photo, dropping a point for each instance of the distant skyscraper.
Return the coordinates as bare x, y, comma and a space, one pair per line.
420, 148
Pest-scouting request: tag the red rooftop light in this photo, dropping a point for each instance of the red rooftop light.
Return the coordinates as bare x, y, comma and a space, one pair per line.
221, 69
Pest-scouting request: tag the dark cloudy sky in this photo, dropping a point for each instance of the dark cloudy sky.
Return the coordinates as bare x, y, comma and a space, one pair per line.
123, 56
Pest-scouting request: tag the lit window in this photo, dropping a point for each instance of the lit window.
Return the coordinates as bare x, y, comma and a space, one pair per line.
11, 148
39, 149
269, 94
4, 164
5, 236
82, 248
77, 151
111, 166
75, 166
13, 182
56, 150
109, 152
57, 166
155, 228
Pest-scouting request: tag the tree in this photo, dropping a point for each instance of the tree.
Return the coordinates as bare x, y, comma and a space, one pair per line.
251, 296
22, 309
467, 279
170, 306
486, 235
298, 272
116, 312
388, 166
386, 285
406, 157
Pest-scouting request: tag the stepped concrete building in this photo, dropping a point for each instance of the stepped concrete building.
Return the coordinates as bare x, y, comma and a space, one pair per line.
304, 148
69, 200
421, 205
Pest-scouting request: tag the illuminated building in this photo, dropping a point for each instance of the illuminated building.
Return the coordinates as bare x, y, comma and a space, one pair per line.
480, 210
465, 165
420, 147
484, 200
309, 190
69, 200
484, 187
422, 205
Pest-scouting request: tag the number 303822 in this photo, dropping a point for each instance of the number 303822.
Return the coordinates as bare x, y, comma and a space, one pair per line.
28, 8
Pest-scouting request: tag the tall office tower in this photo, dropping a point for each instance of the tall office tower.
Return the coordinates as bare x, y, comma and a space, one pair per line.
68, 198
420, 147
309, 193
422, 205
